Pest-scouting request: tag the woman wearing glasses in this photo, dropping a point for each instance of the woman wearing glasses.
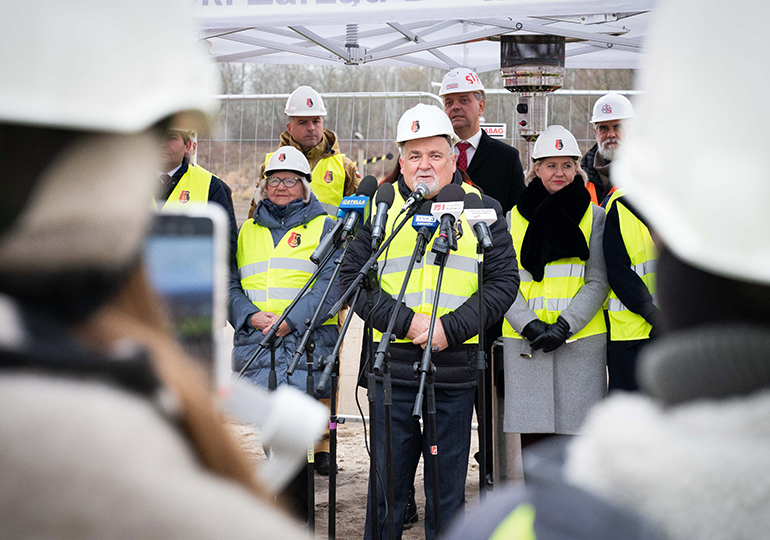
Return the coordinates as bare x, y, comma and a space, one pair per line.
273, 258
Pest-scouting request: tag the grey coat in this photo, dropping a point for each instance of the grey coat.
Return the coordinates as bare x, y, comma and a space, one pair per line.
552, 392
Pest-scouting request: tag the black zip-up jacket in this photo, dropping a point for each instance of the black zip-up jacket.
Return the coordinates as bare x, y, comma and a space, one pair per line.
456, 365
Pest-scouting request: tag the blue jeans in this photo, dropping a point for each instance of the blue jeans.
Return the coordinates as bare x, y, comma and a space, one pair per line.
454, 411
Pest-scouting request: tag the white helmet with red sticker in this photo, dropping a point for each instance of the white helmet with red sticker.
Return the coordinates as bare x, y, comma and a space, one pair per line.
461, 80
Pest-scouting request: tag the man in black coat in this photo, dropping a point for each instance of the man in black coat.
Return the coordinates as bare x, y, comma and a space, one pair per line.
492, 165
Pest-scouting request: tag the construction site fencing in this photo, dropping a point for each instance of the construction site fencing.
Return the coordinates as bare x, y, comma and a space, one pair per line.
246, 127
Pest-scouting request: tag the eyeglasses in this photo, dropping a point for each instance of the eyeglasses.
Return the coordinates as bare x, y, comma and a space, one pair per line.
274, 181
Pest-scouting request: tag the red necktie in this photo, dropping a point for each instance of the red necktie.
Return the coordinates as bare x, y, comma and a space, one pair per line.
462, 157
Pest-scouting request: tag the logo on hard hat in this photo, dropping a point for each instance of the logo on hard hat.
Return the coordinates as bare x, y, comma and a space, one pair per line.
559, 144
606, 108
295, 239
184, 197
309, 103
451, 86
415, 126
282, 157
328, 177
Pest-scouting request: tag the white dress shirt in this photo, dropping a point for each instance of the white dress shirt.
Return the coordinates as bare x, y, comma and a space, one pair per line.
474, 144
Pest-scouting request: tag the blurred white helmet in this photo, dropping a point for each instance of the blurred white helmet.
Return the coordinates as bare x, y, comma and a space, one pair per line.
612, 106
288, 158
461, 80
704, 189
422, 121
139, 64
305, 101
555, 141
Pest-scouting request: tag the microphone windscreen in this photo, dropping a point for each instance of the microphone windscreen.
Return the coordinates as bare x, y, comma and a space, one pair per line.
425, 208
473, 202
367, 187
386, 194
450, 193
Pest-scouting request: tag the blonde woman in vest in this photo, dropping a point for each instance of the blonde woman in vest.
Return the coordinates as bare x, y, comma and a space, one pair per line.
554, 333
273, 253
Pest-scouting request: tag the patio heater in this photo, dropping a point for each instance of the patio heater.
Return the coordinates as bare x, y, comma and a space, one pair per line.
533, 66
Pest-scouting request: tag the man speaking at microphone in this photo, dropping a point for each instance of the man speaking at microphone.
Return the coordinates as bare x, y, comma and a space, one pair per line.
425, 138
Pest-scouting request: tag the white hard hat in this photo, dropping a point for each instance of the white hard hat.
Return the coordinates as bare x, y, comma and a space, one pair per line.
555, 141
288, 158
140, 64
305, 101
612, 106
422, 121
685, 182
461, 80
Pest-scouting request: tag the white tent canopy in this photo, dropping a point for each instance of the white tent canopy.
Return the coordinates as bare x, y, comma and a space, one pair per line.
431, 33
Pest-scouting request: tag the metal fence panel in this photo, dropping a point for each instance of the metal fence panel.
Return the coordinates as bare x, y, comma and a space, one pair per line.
246, 127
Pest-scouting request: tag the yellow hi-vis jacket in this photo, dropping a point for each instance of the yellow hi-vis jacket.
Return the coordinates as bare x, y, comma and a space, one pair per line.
459, 280
625, 325
192, 188
327, 182
563, 279
271, 276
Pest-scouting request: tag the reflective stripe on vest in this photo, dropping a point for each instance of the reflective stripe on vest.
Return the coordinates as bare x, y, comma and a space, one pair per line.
459, 281
193, 188
625, 325
519, 524
327, 182
271, 276
562, 281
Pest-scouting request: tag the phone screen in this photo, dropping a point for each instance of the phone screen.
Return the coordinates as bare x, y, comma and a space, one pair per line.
185, 265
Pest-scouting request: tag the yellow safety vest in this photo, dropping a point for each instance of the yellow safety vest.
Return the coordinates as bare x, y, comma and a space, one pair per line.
625, 325
271, 276
192, 188
563, 279
328, 182
519, 524
459, 280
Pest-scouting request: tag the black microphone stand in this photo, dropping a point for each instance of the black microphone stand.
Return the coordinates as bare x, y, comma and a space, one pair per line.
382, 363
270, 336
330, 365
481, 366
427, 370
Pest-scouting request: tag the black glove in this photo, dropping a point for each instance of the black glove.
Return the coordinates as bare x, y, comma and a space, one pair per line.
554, 336
653, 319
533, 329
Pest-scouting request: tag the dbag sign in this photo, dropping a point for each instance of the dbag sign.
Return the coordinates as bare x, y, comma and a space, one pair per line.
496, 131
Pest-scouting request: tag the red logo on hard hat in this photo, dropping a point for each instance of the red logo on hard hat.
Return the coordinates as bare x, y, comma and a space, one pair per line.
607, 109
472, 78
281, 157
451, 86
295, 239
415, 126
559, 145
328, 177
184, 197
309, 103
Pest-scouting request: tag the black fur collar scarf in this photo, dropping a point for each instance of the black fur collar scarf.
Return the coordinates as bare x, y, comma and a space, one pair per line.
553, 232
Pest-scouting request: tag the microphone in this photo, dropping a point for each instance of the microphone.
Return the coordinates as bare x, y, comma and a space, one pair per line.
424, 220
480, 219
358, 207
332, 239
384, 200
417, 196
447, 210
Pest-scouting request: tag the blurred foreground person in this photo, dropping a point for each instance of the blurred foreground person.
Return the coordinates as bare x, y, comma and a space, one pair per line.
692, 458
107, 429
274, 249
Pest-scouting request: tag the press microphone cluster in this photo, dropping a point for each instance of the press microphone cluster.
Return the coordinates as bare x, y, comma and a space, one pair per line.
447, 209
352, 210
416, 197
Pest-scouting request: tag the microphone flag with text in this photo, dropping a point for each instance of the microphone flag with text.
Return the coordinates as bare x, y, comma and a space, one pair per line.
384, 200
447, 209
351, 210
480, 219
